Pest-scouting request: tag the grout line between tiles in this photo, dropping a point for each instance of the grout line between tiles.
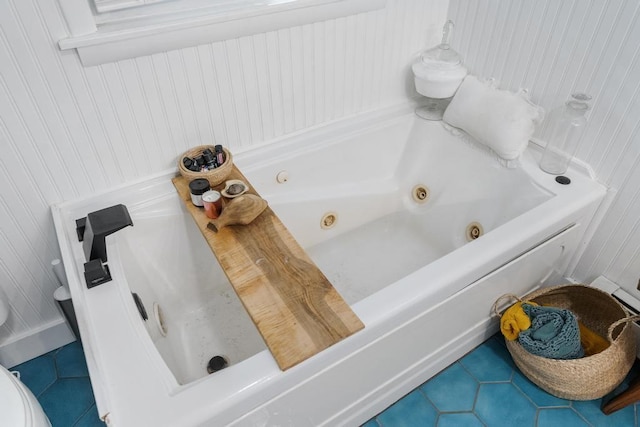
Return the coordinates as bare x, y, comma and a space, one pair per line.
75, 423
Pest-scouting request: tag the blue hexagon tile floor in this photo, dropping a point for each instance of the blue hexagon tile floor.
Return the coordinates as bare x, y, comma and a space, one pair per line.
60, 381
485, 388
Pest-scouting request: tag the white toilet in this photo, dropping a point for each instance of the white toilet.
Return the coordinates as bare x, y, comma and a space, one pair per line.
18, 406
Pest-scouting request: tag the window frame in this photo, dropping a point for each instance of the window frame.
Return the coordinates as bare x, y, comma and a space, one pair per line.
99, 43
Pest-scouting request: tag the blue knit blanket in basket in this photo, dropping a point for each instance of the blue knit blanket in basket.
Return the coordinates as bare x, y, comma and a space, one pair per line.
554, 333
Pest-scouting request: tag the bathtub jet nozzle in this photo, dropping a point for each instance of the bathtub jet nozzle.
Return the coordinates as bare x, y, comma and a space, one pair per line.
420, 193
473, 231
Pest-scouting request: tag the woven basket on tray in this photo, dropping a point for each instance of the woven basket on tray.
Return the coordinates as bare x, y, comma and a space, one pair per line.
215, 176
589, 377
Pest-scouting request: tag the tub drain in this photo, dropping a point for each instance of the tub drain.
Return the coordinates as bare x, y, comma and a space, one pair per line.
328, 220
420, 193
216, 363
474, 230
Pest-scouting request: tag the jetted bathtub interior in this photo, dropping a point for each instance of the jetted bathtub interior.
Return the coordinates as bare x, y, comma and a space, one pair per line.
377, 216
193, 313
403, 262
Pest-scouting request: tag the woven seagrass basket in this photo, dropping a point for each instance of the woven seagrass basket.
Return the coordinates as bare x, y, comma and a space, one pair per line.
589, 377
215, 176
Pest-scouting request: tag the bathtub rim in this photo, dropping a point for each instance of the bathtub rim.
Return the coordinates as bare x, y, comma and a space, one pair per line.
63, 212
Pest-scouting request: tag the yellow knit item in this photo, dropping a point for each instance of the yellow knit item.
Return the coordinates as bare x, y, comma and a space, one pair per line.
515, 320
591, 341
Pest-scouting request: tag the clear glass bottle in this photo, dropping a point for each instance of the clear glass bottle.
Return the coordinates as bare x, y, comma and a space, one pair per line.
566, 125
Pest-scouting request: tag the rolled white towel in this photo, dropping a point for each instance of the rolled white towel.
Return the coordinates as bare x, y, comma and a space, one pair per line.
58, 270
502, 120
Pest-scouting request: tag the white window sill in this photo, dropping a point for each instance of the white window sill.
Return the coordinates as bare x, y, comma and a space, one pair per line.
117, 42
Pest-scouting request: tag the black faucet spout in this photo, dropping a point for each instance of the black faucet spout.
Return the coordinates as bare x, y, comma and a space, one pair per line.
92, 231
98, 225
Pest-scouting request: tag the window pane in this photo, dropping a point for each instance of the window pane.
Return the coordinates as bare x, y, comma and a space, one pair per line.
111, 5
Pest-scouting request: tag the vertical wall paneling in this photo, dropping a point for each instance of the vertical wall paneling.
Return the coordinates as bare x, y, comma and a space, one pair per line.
67, 131
556, 48
295, 62
339, 59
328, 61
238, 92
318, 43
247, 58
275, 81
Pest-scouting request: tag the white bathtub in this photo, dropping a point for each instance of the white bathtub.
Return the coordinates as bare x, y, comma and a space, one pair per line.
423, 292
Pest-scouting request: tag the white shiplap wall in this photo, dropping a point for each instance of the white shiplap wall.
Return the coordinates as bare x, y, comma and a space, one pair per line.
554, 48
67, 131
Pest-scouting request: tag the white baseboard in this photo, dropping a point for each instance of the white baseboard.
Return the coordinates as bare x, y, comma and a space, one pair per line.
34, 343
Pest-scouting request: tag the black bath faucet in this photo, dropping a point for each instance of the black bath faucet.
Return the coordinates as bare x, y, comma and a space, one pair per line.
92, 231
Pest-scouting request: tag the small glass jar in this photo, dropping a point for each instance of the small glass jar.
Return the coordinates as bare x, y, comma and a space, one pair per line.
438, 73
198, 187
212, 202
566, 125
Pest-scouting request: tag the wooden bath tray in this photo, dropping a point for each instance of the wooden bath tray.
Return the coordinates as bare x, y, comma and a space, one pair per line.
296, 309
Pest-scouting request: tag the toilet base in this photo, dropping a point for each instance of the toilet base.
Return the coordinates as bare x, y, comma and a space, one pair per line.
19, 407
